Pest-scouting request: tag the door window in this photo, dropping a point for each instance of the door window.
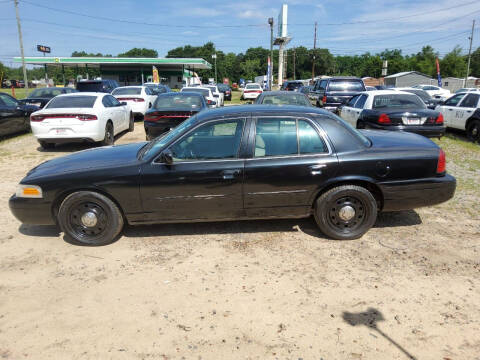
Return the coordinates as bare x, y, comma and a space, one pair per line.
359, 104
106, 102
113, 101
309, 140
352, 101
470, 101
219, 140
454, 100
276, 137
8, 101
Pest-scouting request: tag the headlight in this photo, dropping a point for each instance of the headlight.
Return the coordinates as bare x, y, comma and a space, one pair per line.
29, 191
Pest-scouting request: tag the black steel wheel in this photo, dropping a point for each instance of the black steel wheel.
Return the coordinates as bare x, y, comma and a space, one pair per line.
131, 124
473, 131
109, 134
345, 212
90, 218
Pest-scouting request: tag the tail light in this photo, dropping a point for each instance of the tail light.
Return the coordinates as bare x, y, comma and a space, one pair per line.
81, 117
384, 119
37, 117
131, 99
439, 119
86, 117
442, 162
209, 102
324, 99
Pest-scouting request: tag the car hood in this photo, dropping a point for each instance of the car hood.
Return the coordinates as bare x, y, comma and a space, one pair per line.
397, 139
103, 157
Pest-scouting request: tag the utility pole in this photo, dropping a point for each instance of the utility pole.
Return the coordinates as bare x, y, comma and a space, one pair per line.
20, 38
214, 56
294, 78
469, 54
314, 48
270, 80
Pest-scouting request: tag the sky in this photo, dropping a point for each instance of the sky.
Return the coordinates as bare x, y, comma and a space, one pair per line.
344, 27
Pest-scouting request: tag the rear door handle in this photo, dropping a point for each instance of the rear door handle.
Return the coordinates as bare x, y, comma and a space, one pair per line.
230, 174
315, 169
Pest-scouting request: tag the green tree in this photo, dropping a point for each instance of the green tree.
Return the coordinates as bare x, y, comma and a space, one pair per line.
424, 61
454, 64
475, 63
137, 52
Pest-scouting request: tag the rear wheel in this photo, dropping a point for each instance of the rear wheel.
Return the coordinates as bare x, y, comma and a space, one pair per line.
131, 124
345, 212
361, 125
47, 145
473, 131
109, 135
90, 218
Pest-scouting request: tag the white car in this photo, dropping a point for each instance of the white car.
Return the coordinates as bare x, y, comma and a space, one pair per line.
462, 111
206, 92
435, 92
464, 90
83, 116
219, 96
139, 98
251, 91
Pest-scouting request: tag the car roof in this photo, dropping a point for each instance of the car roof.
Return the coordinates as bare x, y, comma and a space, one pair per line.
182, 93
86, 93
342, 78
246, 110
129, 86
385, 92
280, 92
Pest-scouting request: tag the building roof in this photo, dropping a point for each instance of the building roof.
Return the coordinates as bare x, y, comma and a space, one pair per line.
192, 63
405, 73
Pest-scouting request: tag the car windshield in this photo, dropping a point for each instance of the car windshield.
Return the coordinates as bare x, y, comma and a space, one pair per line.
294, 85
178, 101
252, 86
204, 92
397, 101
89, 86
155, 145
157, 89
45, 93
127, 91
420, 93
72, 102
346, 85
297, 99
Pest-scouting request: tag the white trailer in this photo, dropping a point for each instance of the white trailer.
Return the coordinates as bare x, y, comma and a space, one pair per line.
262, 80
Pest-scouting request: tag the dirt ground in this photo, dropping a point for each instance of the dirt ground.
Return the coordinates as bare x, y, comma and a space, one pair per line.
410, 288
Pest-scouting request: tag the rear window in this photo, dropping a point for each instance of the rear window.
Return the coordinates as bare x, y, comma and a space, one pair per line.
178, 102
397, 101
420, 93
252, 86
72, 102
294, 85
89, 86
127, 91
45, 93
204, 92
345, 85
286, 100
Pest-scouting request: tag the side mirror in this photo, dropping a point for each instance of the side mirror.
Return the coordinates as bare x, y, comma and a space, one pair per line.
167, 157
123, 103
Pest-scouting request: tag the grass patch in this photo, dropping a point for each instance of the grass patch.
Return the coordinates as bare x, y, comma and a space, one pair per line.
236, 99
19, 93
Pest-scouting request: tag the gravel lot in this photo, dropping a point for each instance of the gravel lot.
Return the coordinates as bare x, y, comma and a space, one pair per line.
410, 288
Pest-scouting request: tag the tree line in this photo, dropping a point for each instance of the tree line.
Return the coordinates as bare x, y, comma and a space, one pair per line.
253, 62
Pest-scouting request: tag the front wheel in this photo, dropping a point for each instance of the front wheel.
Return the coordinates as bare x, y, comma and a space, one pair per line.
345, 212
473, 131
109, 135
90, 218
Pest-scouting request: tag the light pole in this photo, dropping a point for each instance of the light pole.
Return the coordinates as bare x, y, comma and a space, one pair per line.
270, 80
214, 56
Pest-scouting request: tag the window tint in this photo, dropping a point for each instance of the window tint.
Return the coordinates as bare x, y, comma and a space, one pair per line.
113, 101
454, 100
219, 140
322, 85
470, 101
204, 92
8, 101
359, 104
276, 137
397, 101
127, 91
89, 86
72, 101
352, 101
309, 140
106, 102
284, 99
179, 101
252, 86
345, 85
422, 94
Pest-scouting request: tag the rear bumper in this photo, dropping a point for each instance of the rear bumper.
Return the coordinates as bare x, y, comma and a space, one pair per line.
154, 129
31, 211
427, 131
411, 194
70, 132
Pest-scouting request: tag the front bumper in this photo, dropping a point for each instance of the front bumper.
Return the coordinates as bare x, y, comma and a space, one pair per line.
427, 131
412, 194
31, 211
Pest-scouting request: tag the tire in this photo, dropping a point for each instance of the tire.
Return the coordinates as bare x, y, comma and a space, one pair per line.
47, 145
334, 224
473, 131
131, 124
109, 138
361, 125
106, 222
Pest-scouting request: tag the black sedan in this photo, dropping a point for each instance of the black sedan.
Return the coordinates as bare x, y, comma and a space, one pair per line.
236, 163
41, 96
226, 90
14, 115
171, 109
283, 98
392, 110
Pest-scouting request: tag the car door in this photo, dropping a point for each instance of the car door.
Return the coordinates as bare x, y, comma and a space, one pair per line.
357, 109
448, 109
205, 179
109, 112
121, 116
465, 108
289, 160
346, 111
13, 117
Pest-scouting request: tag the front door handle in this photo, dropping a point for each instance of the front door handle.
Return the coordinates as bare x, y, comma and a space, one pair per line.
315, 169
230, 174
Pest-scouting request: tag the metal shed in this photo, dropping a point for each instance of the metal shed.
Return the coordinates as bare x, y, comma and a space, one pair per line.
407, 78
